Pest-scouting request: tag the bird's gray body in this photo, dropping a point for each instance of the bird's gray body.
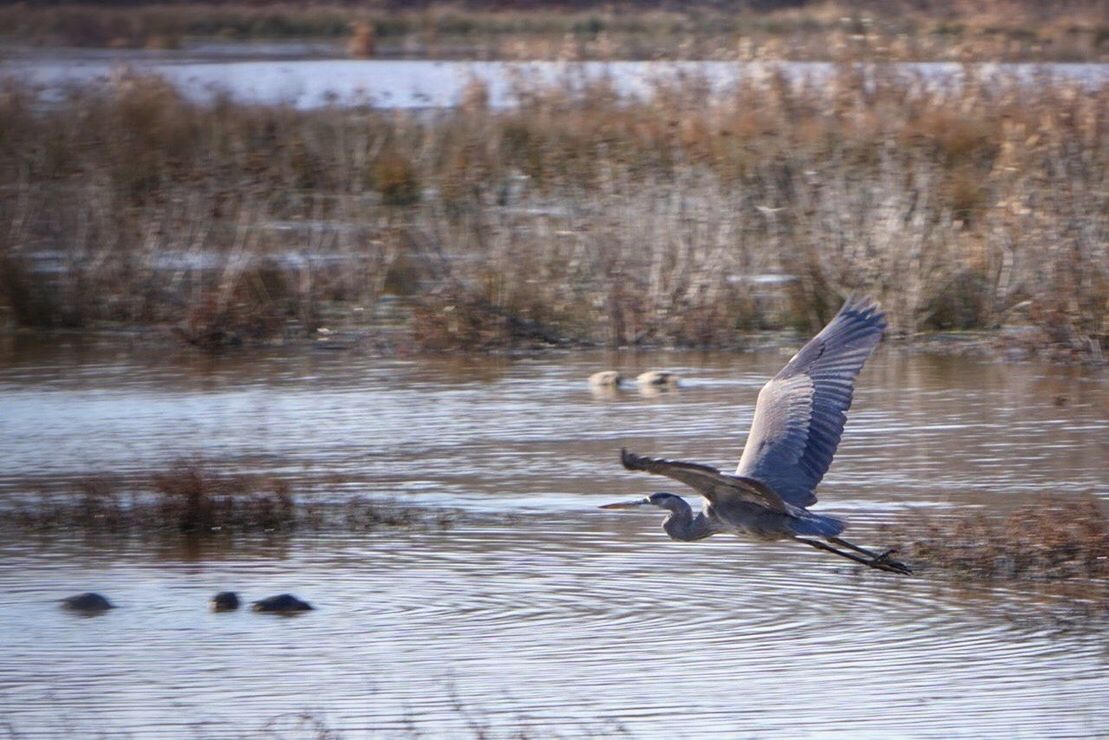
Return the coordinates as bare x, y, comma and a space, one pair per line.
742, 518
733, 504
798, 421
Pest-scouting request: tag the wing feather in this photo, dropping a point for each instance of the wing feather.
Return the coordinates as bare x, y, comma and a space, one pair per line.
800, 413
715, 486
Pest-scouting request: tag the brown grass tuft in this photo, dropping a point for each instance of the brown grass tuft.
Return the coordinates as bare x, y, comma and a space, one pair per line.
1058, 538
196, 499
200, 501
362, 41
394, 176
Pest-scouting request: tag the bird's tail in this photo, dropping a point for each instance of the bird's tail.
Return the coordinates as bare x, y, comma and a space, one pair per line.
818, 525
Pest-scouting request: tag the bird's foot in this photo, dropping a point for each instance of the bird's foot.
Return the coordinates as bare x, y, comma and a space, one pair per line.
885, 562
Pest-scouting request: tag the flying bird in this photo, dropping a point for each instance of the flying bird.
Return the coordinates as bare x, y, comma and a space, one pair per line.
799, 418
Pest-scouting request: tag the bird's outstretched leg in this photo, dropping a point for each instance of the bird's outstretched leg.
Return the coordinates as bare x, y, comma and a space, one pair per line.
856, 548
883, 556
880, 561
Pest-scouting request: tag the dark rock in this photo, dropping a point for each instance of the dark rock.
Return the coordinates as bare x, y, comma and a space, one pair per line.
225, 601
282, 604
88, 603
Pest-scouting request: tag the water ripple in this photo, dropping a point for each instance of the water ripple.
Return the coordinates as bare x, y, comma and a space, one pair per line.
558, 619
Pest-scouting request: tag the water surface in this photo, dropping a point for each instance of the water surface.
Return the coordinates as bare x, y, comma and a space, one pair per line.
313, 83
537, 611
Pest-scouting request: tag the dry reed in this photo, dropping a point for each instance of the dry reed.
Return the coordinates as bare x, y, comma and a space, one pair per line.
575, 217
195, 498
1058, 538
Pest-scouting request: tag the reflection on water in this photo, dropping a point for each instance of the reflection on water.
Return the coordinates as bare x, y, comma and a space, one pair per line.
560, 618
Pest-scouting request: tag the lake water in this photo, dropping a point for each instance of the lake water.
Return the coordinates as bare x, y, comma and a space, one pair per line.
537, 613
421, 83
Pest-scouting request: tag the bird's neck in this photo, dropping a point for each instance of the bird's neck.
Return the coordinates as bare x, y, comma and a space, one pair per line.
684, 526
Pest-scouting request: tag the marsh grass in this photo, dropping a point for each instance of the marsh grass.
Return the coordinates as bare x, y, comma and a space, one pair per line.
197, 499
1059, 538
575, 217
997, 30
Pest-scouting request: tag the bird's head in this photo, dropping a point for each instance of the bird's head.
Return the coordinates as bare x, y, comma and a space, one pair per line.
661, 499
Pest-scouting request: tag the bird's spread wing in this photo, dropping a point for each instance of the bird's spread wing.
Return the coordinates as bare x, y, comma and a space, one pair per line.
800, 413
715, 486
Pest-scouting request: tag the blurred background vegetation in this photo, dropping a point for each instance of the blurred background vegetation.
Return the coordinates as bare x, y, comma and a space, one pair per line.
579, 216
1067, 30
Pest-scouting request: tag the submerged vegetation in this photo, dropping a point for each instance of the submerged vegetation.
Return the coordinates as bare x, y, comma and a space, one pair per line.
1059, 538
575, 217
195, 499
904, 30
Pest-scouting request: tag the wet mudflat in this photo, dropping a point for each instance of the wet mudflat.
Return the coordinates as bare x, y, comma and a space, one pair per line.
536, 612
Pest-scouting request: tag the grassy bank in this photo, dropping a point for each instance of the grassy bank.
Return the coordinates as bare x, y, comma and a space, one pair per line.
576, 217
999, 30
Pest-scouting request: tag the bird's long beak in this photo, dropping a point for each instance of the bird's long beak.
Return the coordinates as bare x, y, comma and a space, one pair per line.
627, 504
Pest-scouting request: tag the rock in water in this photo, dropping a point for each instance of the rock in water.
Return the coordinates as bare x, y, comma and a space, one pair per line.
225, 601
88, 603
282, 604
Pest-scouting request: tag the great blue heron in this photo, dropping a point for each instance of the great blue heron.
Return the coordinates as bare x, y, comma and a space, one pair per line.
798, 422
